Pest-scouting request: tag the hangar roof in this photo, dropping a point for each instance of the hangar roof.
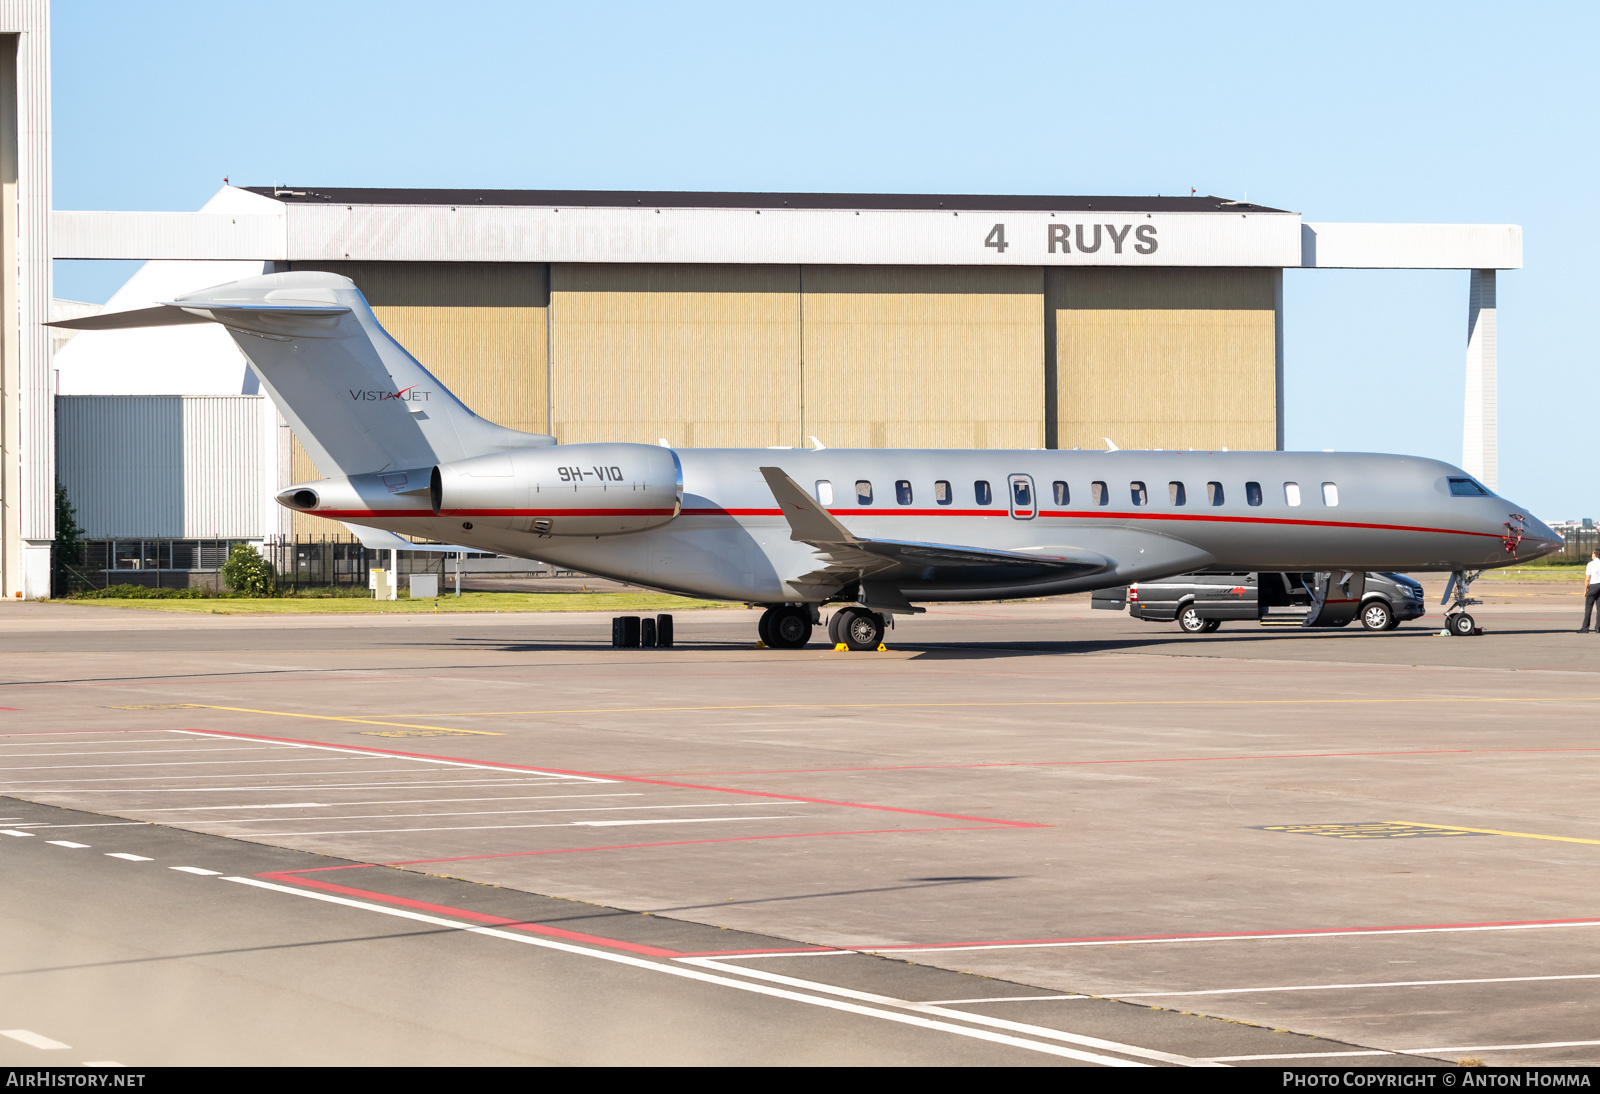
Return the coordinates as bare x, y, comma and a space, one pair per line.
690, 199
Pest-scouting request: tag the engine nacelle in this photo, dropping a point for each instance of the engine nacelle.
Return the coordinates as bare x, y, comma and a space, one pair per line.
563, 490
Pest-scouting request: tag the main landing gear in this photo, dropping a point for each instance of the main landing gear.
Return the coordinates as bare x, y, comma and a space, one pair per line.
1457, 623
789, 627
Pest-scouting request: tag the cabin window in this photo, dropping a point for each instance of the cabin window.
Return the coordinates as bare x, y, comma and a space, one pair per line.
1252, 493
981, 491
1469, 488
1214, 494
942, 493
1291, 493
825, 491
1176, 494
1330, 493
1140, 495
1063, 496
1022, 493
902, 491
863, 492
1101, 495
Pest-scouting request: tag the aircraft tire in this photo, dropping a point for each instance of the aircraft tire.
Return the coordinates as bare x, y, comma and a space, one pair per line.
763, 626
835, 621
861, 630
789, 628
1461, 625
1377, 616
1190, 621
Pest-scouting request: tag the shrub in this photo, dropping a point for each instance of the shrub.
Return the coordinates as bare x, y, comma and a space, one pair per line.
139, 592
246, 572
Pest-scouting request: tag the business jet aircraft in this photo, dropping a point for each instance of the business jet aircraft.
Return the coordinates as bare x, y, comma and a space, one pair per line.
868, 530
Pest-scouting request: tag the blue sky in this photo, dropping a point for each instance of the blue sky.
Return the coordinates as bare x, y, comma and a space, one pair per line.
1380, 112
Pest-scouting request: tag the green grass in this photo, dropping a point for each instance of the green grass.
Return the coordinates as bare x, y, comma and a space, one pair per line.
1537, 572
629, 602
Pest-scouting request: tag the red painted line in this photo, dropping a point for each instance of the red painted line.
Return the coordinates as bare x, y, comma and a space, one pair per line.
633, 779
1306, 932
685, 843
475, 917
1150, 760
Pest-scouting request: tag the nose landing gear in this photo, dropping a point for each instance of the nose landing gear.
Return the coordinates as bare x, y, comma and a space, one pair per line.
1457, 623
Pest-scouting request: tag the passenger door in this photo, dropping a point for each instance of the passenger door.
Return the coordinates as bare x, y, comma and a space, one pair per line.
1024, 504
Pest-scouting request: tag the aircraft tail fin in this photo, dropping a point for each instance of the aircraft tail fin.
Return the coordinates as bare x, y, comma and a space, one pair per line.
357, 401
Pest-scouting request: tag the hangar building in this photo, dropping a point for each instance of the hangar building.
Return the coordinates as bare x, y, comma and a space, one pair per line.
727, 319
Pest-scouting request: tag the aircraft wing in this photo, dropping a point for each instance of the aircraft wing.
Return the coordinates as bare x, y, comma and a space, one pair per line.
810, 522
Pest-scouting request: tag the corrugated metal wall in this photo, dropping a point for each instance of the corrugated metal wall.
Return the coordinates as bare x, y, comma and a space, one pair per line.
167, 466
1163, 358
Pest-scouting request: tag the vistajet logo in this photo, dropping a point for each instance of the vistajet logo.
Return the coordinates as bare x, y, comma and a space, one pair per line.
406, 395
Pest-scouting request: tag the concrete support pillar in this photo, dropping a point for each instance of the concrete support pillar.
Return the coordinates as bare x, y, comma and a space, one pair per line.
1480, 432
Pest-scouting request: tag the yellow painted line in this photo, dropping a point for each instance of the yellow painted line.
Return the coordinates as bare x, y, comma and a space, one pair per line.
337, 718
1498, 832
1074, 703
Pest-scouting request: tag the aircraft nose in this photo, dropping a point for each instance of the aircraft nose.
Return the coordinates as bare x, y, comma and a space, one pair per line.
1539, 539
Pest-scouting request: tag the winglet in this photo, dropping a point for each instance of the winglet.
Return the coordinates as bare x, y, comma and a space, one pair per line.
808, 521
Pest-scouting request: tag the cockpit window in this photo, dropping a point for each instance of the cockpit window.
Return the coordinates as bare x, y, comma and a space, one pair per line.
1469, 488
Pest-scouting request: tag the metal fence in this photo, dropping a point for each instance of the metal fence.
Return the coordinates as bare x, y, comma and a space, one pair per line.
305, 563
1580, 542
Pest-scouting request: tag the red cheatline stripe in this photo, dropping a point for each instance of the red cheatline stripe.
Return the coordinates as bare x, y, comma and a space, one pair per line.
1221, 936
1150, 760
685, 843
475, 917
632, 779
717, 511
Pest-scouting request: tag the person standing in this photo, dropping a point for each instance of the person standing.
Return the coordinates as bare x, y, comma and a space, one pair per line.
1591, 591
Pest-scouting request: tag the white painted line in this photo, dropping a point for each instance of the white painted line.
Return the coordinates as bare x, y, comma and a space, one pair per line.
65, 843
14, 832
196, 870
1339, 987
702, 976
517, 812
496, 827
392, 784
1296, 1056
141, 752
1499, 1048
227, 775
416, 759
1002, 999
402, 801
174, 763
966, 1016
1297, 937
28, 1037
98, 824
128, 857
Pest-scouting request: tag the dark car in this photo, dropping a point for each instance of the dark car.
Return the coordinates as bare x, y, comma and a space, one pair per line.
1200, 603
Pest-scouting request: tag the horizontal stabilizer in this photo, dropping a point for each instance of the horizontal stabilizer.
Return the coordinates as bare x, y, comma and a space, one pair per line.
162, 315
376, 539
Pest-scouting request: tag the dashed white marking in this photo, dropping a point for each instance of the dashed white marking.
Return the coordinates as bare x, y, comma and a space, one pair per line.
196, 870
64, 843
128, 857
14, 832
1341, 987
28, 1037
713, 978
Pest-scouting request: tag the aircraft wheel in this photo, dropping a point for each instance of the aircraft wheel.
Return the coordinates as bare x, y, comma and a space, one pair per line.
1461, 625
835, 621
860, 629
764, 626
1377, 616
1212, 625
789, 628
1190, 622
